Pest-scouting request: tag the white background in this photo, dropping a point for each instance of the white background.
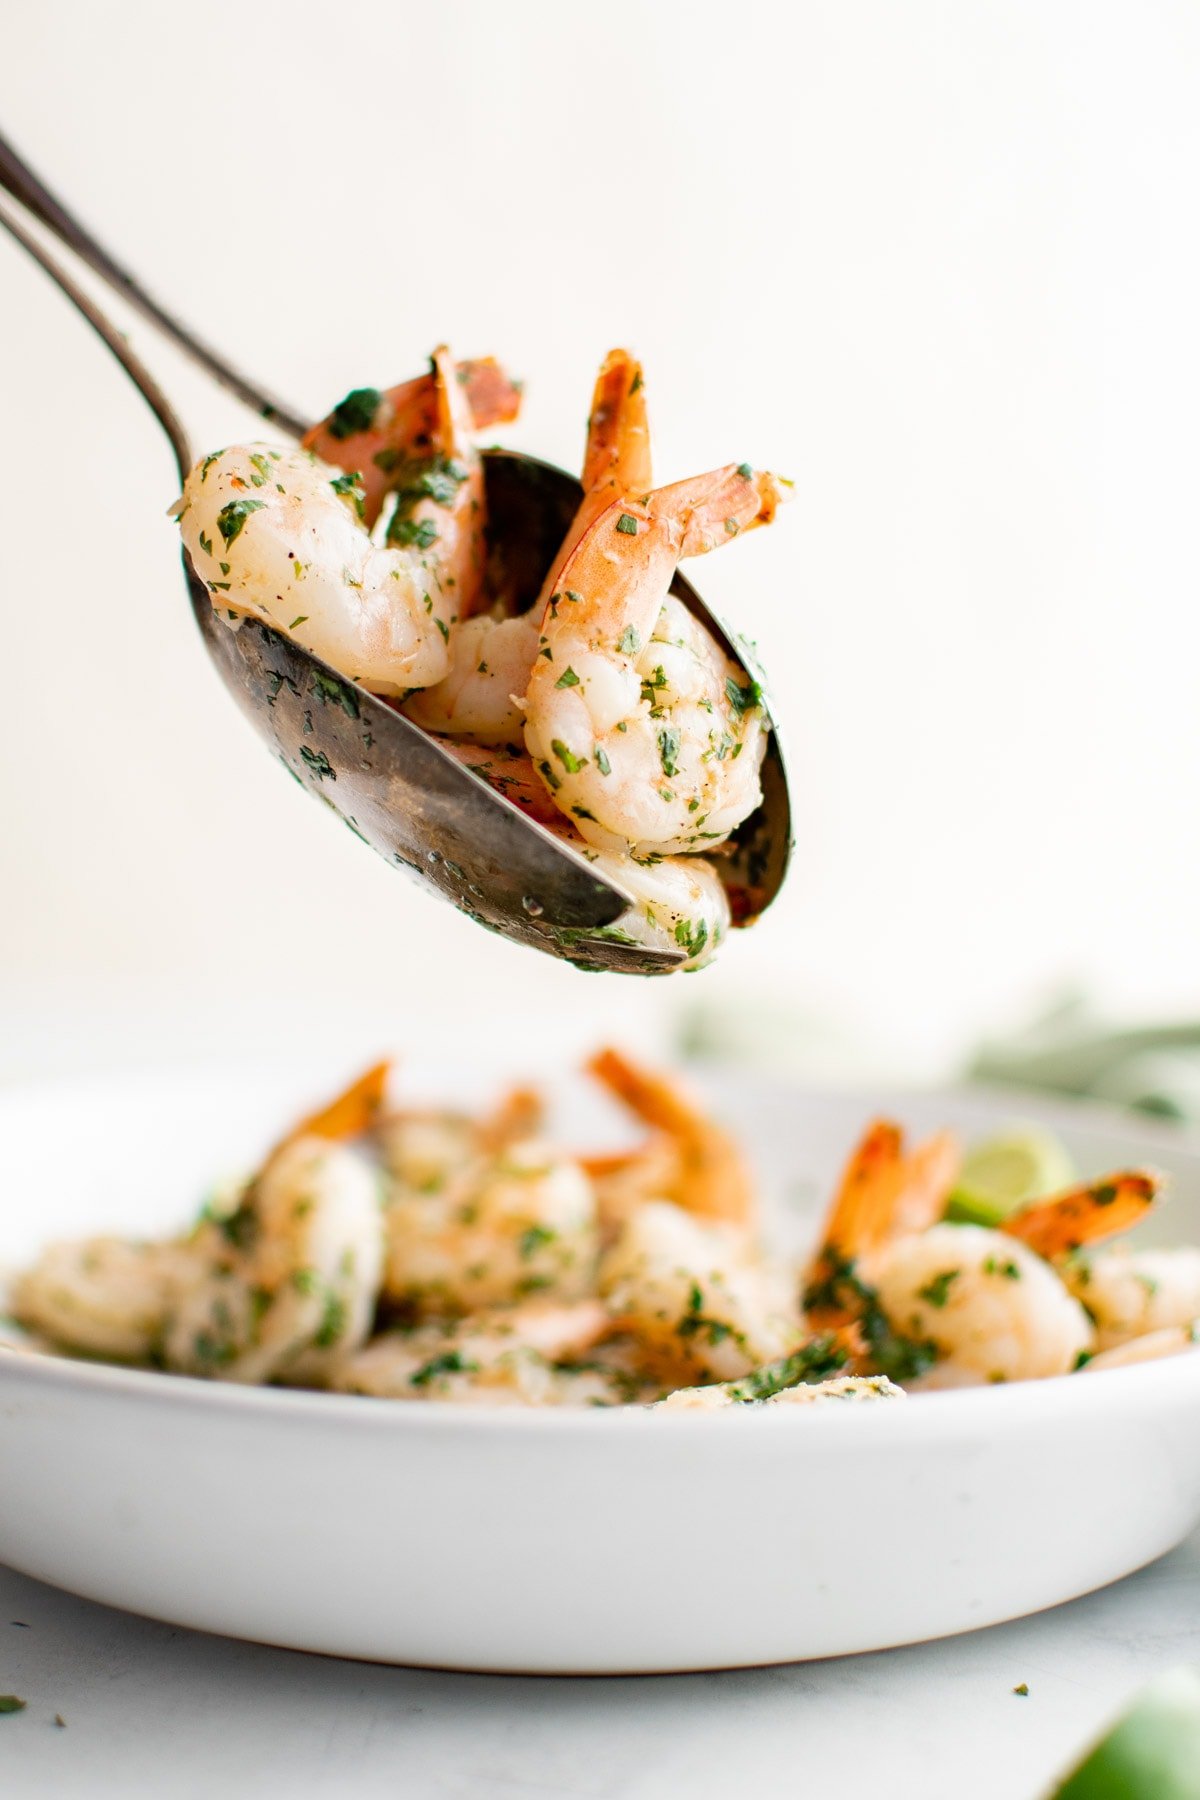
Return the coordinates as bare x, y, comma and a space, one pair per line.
937, 262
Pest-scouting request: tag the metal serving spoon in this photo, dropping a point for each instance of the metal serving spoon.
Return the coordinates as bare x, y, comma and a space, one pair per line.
391, 783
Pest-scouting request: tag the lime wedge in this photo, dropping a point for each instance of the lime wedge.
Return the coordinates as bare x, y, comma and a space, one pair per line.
1020, 1164
1153, 1753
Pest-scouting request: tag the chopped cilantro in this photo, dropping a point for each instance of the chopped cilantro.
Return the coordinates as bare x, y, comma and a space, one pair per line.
937, 1290
330, 691
743, 699
695, 1323
567, 679
814, 1361
355, 413
745, 471
450, 1362
669, 740
602, 762
691, 937
333, 1322
319, 763
570, 762
231, 518
349, 487
628, 524
421, 532
629, 643
532, 1239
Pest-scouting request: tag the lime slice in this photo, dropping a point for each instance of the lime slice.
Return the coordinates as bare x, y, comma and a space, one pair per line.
1153, 1753
1020, 1164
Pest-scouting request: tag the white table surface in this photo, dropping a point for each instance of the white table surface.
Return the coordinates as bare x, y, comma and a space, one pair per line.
167, 1714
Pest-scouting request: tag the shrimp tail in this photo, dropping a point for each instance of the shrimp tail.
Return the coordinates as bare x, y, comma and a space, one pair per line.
454, 420
618, 441
374, 433
722, 504
519, 1114
349, 1114
713, 1179
1085, 1215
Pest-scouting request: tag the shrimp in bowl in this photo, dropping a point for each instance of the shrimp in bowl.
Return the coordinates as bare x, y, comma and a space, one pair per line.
474, 1254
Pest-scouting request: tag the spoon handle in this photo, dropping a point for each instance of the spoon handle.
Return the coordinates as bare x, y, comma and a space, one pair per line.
19, 180
116, 341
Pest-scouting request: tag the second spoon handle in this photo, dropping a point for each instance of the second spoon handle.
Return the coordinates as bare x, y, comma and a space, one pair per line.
18, 179
132, 364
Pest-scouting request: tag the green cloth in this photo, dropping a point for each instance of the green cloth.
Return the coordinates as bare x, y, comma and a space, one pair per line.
1151, 1068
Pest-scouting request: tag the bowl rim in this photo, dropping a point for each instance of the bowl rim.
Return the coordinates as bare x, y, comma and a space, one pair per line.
944, 1414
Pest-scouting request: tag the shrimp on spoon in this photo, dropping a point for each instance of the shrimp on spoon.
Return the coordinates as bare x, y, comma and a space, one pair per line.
492, 657
646, 734
284, 537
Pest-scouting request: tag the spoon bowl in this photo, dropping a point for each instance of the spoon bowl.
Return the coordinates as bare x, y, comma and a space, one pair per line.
402, 792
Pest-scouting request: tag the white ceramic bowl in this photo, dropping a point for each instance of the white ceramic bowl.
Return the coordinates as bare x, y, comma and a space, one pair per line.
564, 1541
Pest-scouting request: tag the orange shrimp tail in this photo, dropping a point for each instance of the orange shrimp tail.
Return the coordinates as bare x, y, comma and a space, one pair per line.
930, 1172
493, 396
1084, 1215
713, 1180
862, 1216
655, 1101
618, 441
711, 509
864, 1209
518, 1115
349, 1113
454, 422
405, 424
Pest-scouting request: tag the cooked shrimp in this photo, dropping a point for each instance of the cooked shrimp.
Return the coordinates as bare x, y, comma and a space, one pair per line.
104, 1296
644, 731
502, 1225
885, 1192
1085, 1215
616, 458
491, 657
679, 903
699, 1301
708, 1173
282, 537
990, 1308
421, 1149
819, 1393
380, 434
294, 1272
504, 1355
488, 670
1172, 1340
1130, 1293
